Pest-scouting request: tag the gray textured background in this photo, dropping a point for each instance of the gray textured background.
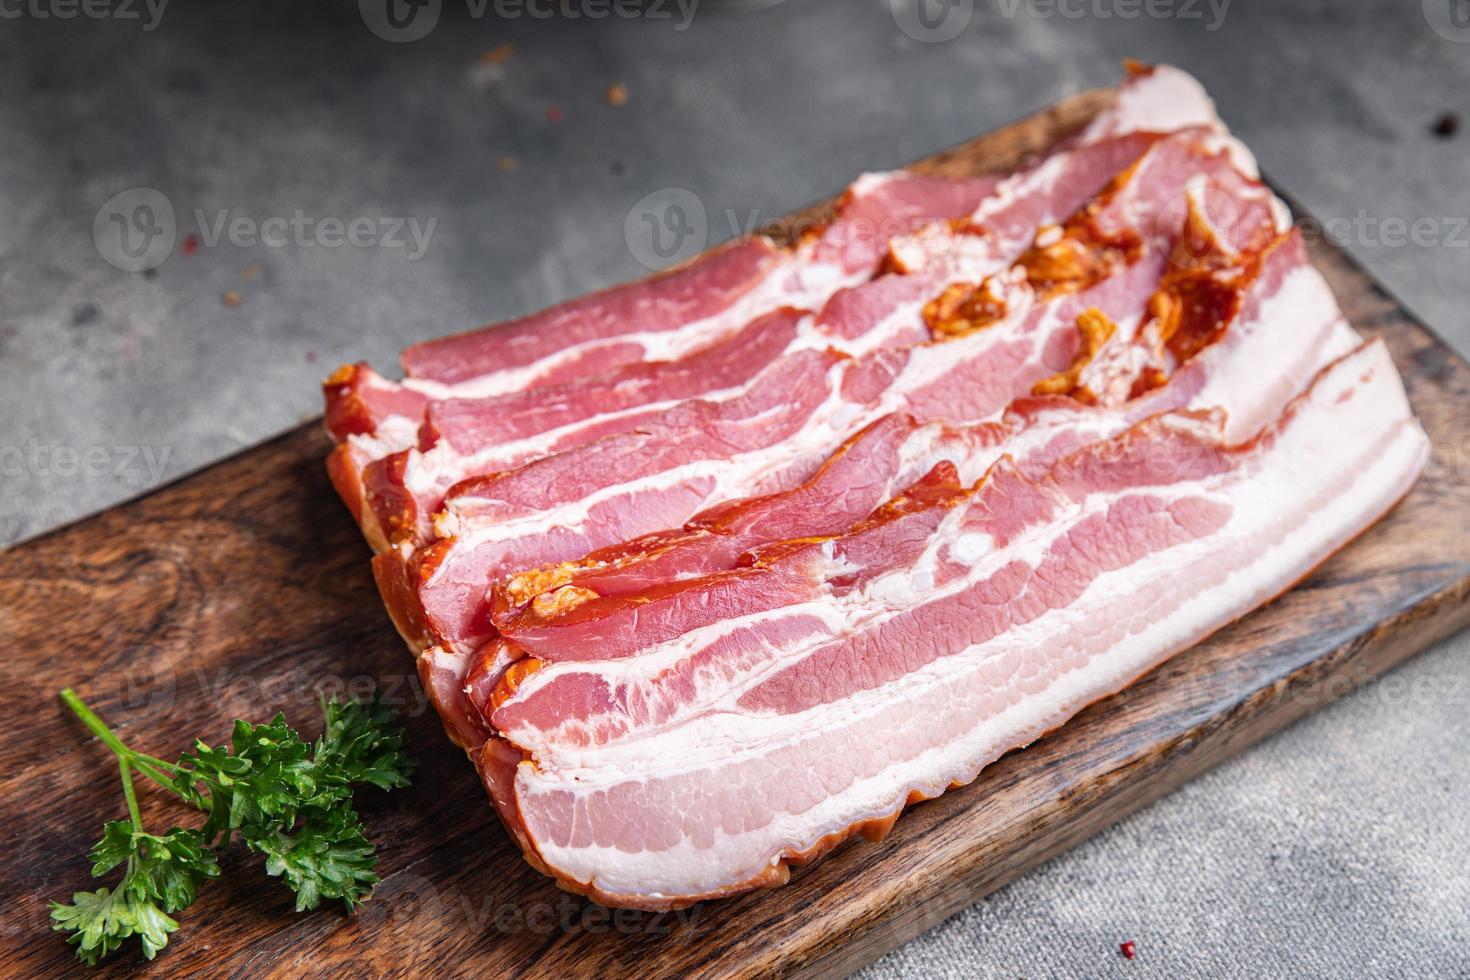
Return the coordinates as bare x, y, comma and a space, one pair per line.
1340, 847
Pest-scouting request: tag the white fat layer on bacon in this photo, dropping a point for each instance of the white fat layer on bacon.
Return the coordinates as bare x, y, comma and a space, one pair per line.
394, 434
939, 442
868, 184
1164, 100
1298, 327
1346, 453
1221, 210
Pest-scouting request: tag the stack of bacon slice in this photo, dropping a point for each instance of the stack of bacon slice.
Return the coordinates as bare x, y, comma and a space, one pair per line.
710, 572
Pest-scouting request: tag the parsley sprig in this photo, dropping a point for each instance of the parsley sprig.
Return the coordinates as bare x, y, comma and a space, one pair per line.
285, 798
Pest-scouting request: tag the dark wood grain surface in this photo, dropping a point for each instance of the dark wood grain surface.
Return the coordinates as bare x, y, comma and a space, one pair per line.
245, 588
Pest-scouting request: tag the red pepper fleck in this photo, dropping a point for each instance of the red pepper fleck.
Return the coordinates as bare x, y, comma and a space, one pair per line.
191, 245
1128, 950
554, 114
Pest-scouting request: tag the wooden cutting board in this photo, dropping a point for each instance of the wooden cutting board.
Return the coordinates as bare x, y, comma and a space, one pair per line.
244, 588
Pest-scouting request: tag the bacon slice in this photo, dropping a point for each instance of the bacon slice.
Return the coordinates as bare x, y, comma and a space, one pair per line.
893, 673
664, 317
584, 335
877, 208
596, 331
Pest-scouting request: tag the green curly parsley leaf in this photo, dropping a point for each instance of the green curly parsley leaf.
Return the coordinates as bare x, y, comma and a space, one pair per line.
265, 777
365, 741
164, 874
326, 855
99, 922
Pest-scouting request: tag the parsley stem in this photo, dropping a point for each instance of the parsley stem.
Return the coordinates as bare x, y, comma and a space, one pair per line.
132, 797
97, 725
152, 773
155, 769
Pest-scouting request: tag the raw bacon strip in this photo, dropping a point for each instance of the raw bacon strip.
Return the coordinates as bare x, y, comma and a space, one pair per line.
360, 402
899, 678
585, 335
666, 317
1159, 97
468, 424
700, 454
616, 601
